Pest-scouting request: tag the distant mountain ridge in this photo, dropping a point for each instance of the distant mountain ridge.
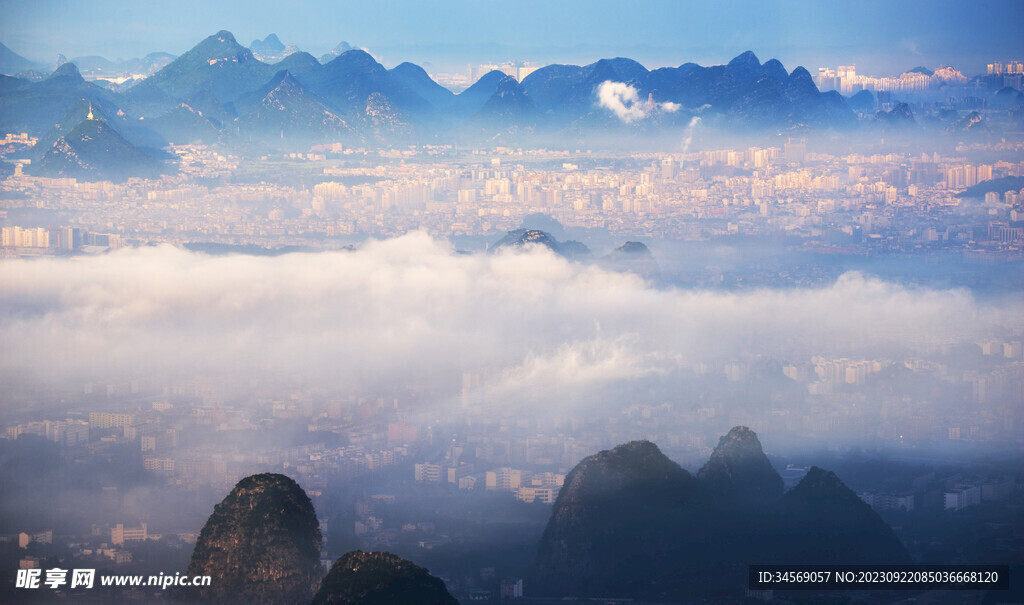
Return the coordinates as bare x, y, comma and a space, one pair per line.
350, 97
11, 62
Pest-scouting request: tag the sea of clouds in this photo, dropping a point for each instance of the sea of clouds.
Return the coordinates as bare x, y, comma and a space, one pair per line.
412, 311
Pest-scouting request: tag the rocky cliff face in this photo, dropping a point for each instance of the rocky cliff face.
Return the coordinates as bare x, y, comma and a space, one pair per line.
380, 578
260, 545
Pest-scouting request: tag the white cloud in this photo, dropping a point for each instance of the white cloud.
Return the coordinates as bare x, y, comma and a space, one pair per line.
624, 101
409, 312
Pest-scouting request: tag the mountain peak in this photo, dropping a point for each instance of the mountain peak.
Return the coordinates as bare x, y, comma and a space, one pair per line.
224, 36
636, 462
270, 48
631, 496
261, 544
738, 469
67, 70
298, 63
826, 522
342, 47
801, 73
634, 248
746, 58
365, 578
510, 106
901, 116
775, 69
746, 66
219, 47
271, 42
519, 238
409, 68
357, 55
821, 482
507, 86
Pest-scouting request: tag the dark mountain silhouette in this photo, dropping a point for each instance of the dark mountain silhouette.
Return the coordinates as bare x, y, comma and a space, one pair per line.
746, 67
774, 69
380, 578
630, 523
93, 151
738, 470
619, 525
822, 521
11, 62
260, 545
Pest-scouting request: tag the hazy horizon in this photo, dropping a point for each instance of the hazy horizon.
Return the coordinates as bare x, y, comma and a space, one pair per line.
880, 38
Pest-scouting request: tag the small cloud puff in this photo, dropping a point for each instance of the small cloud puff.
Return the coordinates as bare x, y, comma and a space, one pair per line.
624, 101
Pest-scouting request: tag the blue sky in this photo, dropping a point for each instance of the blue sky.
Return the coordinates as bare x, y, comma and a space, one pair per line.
880, 37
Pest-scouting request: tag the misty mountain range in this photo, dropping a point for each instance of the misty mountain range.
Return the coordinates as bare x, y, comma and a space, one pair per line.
221, 92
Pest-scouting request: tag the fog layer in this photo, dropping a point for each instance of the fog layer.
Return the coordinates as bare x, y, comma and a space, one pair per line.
412, 313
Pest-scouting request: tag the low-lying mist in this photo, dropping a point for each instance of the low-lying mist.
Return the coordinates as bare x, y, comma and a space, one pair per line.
412, 314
